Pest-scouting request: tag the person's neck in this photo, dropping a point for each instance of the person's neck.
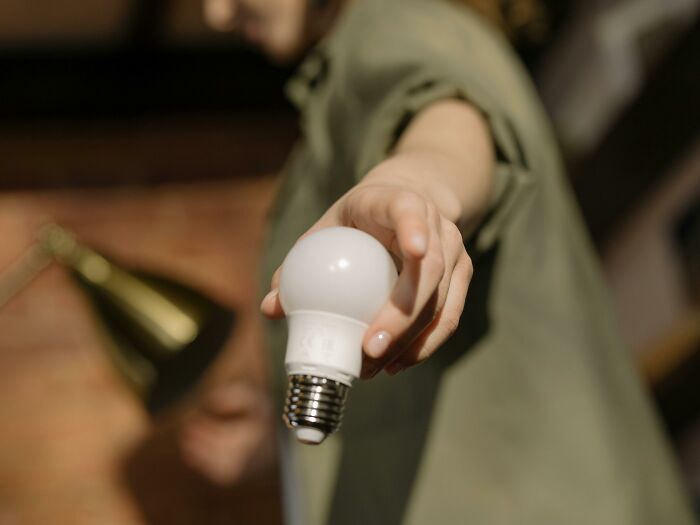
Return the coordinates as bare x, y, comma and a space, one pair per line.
322, 17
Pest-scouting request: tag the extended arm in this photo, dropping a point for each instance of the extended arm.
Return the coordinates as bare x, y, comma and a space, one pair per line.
434, 187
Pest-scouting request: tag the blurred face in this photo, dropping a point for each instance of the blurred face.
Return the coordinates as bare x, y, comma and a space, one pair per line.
278, 27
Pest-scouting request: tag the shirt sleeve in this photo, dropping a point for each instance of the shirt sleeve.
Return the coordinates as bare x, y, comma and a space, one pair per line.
422, 51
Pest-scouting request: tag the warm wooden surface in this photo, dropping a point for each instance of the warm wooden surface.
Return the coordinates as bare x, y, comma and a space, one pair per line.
142, 151
68, 427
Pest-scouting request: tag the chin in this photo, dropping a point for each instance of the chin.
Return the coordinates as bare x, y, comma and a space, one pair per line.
283, 53
282, 58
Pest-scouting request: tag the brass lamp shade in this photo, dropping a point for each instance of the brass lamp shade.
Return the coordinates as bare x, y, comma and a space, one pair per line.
162, 334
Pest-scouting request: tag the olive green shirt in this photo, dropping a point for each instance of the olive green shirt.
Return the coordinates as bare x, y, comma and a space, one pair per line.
531, 414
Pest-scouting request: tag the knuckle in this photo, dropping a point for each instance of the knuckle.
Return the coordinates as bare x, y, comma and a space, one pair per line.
408, 197
430, 207
405, 200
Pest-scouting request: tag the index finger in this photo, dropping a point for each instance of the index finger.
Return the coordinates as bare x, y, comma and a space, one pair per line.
404, 215
409, 214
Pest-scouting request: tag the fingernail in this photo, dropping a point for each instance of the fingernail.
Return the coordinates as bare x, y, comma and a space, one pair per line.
420, 243
394, 368
378, 344
269, 299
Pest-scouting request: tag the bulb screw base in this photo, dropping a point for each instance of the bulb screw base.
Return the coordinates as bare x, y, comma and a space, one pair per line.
314, 406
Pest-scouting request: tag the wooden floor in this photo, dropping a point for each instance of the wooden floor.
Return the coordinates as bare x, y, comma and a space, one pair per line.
75, 445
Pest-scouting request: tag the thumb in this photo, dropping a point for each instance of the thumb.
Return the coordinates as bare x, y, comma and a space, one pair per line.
271, 306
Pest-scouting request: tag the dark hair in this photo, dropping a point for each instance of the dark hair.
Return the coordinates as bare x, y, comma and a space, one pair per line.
521, 20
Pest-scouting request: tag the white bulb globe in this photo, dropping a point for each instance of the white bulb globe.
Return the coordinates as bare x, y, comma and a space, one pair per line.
332, 284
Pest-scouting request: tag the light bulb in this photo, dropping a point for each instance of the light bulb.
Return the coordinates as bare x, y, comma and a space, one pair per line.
333, 283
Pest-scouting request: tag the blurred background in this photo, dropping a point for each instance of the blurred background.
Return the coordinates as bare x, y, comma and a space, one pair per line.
158, 141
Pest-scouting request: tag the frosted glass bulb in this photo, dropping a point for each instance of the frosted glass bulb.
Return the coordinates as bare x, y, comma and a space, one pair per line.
333, 283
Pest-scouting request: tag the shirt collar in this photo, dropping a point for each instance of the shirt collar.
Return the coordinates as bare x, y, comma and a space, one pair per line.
308, 76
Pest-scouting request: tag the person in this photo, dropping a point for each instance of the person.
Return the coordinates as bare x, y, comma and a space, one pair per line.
421, 128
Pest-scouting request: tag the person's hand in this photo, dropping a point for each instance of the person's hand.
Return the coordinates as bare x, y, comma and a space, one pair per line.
426, 304
231, 438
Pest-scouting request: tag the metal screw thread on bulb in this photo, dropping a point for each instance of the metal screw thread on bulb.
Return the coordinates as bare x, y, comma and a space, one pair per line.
315, 402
